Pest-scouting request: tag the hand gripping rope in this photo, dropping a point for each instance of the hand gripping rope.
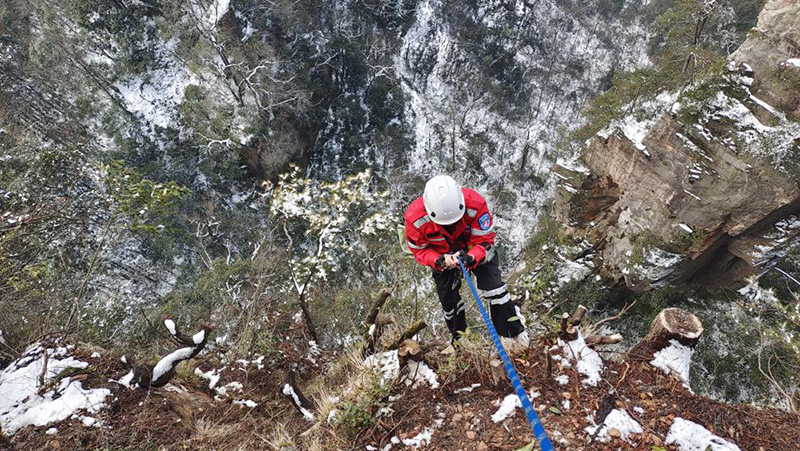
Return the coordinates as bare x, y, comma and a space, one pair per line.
527, 407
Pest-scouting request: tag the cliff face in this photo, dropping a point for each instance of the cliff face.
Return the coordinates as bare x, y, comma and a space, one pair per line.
773, 51
706, 191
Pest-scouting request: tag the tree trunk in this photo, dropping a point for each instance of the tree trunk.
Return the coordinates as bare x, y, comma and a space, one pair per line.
373, 325
296, 397
670, 324
414, 329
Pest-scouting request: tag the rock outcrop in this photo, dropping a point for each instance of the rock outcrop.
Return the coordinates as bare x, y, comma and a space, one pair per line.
707, 191
773, 51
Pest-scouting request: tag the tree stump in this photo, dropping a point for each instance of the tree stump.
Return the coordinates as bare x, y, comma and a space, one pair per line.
669, 324
409, 350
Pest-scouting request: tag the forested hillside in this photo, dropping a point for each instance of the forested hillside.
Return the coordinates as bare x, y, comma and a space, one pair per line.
241, 167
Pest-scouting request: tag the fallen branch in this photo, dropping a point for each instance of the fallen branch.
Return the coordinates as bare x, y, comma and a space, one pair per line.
374, 327
147, 376
296, 397
409, 333
594, 329
578, 315
568, 331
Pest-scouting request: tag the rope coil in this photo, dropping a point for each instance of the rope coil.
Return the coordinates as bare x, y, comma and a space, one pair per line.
527, 406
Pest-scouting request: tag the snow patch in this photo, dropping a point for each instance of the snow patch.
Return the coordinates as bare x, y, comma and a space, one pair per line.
385, 363
793, 62
125, 380
419, 373
245, 403
616, 419
509, 404
690, 436
674, 359
419, 440
23, 404
588, 361
466, 389
211, 375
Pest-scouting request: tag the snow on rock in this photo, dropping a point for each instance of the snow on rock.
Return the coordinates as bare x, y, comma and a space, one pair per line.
198, 337
587, 360
674, 359
289, 391
690, 436
793, 62
22, 402
616, 419
386, 363
215, 12
508, 404
636, 131
657, 264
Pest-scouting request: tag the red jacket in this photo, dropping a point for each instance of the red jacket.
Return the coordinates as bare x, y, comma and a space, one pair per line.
428, 240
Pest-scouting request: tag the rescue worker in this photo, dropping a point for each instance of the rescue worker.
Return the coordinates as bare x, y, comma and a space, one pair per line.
450, 221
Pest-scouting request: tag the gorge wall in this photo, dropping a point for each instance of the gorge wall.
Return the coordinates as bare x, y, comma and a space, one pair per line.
704, 191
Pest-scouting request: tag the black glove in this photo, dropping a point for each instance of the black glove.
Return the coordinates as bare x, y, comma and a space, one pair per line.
439, 263
468, 260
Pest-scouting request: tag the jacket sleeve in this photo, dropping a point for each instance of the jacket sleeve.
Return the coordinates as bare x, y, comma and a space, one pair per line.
418, 244
482, 231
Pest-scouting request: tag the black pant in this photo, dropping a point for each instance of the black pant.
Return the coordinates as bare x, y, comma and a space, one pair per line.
490, 281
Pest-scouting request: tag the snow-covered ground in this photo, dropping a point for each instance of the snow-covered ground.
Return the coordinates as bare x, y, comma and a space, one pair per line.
35, 392
619, 423
674, 359
689, 436
585, 359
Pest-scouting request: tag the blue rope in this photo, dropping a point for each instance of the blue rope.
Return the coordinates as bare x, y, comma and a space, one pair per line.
527, 407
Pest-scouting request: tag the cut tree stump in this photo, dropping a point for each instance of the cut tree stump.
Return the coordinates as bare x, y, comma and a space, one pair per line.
669, 324
409, 350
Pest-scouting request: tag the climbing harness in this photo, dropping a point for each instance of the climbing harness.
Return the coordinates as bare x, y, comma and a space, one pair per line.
527, 407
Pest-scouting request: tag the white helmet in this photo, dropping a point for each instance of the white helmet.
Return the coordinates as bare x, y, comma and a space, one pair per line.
444, 200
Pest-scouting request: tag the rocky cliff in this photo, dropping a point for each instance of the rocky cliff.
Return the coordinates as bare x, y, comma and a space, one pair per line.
704, 188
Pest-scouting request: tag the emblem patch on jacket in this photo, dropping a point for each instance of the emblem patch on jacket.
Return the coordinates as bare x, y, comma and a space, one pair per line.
484, 221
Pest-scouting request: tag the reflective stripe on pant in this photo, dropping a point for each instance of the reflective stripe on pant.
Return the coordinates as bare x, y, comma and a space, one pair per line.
495, 293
